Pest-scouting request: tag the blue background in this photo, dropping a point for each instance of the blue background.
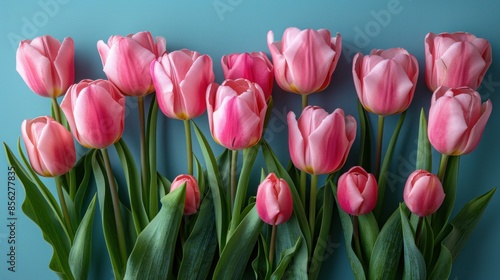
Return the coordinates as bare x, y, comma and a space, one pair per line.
227, 26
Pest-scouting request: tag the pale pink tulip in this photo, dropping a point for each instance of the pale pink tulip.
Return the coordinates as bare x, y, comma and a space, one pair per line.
357, 191
455, 60
236, 111
50, 146
126, 61
255, 67
192, 201
274, 201
95, 111
423, 193
181, 79
319, 142
46, 65
457, 119
385, 80
304, 60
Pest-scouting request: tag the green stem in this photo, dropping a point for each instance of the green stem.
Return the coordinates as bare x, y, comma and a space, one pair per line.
442, 166
418, 232
234, 167
116, 207
272, 246
144, 162
189, 146
357, 241
55, 108
380, 136
312, 203
70, 178
64, 207
304, 101
303, 183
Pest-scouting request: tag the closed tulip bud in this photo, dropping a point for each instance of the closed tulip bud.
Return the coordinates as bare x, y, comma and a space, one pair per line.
455, 60
236, 111
181, 79
126, 61
255, 67
385, 80
357, 191
192, 201
95, 111
457, 119
46, 65
274, 200
423, 193
304, 60
50, 146
319, 142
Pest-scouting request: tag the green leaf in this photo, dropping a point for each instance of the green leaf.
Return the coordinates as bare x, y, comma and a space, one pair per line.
260, 264
365, 149
224, 164
239, 247
151, 144
84, 167
81, 250
450, 182
164, 185
368, 232
414, 267
153, 253
424, 153
443, 265
286, 257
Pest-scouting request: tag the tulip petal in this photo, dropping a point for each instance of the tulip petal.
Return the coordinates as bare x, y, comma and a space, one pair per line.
35, 69
296, 142
477, 130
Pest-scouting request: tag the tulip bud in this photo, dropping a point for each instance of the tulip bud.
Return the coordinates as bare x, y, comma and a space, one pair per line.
274, 200
50, 146
423, 193
46, 65
357, 191
192, 201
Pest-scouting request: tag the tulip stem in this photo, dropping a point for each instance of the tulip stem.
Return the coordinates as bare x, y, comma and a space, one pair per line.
312, 203
55, 108
64, 207
380, 136
304, 101
116, 207
442, 166
234, 166
303, 182
418, 231
189, 146
144, 161
272, 246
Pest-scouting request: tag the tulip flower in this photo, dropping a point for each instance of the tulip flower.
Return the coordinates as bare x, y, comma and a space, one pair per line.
385, 80
95, 111
46, 65
357, 191
274, 200
304, 60
320, 142
255, 67
126, 61
236, 111
423, 193
192, 201
50, 146
181, 79
457, 120
455, 60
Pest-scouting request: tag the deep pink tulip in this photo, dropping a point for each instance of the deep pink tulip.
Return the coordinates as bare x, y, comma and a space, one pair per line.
192, 201
255, 67
95, 111
181, 79
385, 80
126, 61
357, 191
320, 142
274, 201
46, 65
455, 60
236, 111
50, 146
304, 60
457, 120
423, 193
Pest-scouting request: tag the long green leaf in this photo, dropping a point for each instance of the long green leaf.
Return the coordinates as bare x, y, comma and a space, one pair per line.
414, 267
85, 167
260, 264
443, 265
286, 257
368, 232
365, 149
153, 253
151, 140
450, 182
424, 153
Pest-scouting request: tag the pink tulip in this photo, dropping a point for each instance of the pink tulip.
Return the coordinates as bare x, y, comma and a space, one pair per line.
95, 111
46, 65
455, 60
192, 201
423, 193
255, 67
274, 200
357, 191
320, 142
181, 79
126, 61
236, 111
385, 80
304, 60
457, 120
50, 146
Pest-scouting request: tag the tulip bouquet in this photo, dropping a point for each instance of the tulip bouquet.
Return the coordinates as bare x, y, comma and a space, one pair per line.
209, 222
